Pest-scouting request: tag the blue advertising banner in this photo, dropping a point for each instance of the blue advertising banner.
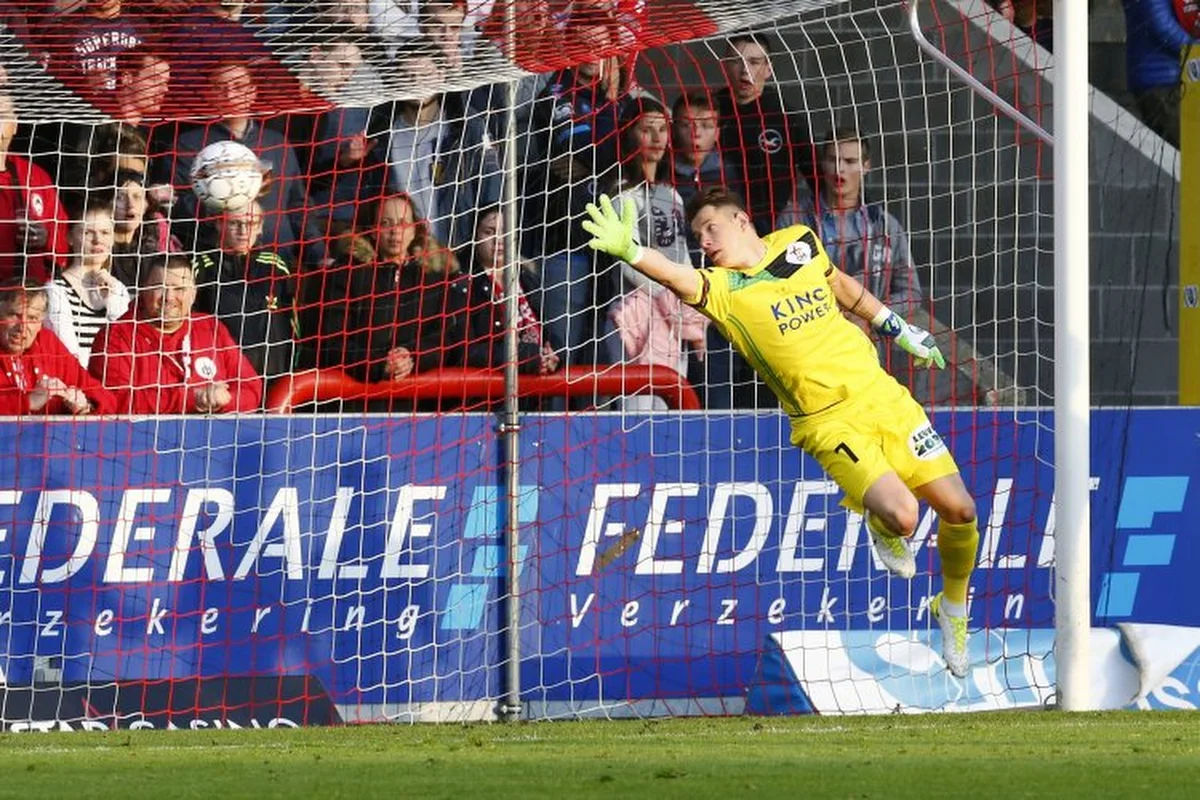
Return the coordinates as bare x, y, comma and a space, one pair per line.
658, 552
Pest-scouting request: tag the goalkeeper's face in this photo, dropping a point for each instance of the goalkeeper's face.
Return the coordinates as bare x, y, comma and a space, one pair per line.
726, 236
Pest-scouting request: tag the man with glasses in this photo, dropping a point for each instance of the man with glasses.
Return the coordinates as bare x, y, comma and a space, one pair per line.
251, 289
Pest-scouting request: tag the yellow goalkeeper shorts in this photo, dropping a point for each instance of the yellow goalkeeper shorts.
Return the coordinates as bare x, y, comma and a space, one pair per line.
881, 431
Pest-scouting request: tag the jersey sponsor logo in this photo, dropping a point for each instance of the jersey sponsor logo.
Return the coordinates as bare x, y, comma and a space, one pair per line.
206, 368
791, 313
925, 443
799, 253
770, 141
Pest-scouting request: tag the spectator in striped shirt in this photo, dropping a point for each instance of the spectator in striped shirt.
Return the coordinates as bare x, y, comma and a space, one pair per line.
85, 296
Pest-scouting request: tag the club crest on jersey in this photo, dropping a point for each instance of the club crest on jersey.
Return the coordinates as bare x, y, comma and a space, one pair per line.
206, 368
925, 443
770, 141
798, 253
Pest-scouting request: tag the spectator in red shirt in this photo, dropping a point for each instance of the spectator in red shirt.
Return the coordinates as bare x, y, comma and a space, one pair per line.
33, 223
37, 373
83, 46
163, 359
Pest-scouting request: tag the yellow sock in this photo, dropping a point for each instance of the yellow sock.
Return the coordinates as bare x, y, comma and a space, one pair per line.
956, 545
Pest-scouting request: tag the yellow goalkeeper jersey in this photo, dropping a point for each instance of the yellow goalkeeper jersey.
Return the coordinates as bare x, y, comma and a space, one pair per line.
783, 318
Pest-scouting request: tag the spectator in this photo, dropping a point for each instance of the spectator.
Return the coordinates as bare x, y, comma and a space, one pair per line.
330, 67
164, 359
388, 313
39, 375
862, 239
83, 46
1154, 52
770, 145
290, 22
324, 75
484, 261
397, 22
438, 154
33, 224
85, 296
697, 164
651, 328
143, 78
232, 95
252, 290
213, 34
140, 229
577, 117
441, 22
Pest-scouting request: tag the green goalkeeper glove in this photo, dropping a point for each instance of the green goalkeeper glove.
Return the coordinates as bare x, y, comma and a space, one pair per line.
611, 232
914, 340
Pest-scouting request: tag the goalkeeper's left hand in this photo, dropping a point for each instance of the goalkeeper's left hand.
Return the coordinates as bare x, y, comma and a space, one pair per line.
912, 339
611, 232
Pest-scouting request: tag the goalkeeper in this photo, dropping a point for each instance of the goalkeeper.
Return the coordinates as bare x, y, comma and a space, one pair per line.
777, 300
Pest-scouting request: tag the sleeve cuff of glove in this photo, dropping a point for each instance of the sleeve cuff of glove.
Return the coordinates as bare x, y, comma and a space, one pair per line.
635, 256
887, 322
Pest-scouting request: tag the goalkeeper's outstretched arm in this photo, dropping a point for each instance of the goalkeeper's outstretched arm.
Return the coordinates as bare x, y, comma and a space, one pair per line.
612, 233
854, 297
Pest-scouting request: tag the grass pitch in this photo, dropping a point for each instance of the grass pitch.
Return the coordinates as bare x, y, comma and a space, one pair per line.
1027, 754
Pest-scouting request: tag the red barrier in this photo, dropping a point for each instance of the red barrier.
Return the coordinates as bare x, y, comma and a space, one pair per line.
318, 385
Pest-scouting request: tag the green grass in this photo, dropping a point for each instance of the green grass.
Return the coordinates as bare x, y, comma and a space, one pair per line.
1031, 754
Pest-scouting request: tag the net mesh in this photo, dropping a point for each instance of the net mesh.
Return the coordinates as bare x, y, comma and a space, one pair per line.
345, 562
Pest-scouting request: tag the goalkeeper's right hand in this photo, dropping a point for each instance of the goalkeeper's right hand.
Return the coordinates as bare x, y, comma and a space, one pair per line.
611, 232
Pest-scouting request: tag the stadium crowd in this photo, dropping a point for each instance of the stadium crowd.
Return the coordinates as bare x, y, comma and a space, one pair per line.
377, 244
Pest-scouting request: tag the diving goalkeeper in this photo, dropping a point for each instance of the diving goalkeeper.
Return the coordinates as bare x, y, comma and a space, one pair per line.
778, 299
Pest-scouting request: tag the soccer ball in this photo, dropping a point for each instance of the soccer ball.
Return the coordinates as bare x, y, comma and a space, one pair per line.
226, 176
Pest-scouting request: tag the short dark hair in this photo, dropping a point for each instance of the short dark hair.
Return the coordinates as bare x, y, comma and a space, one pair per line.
13, 288
135, 58
638, 108
760, 39
717, 197
428, 8
96, 198
694, 99
848, 133
164, 261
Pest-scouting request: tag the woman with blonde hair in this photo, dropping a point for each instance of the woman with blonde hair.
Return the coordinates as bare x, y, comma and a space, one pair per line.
84, 297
